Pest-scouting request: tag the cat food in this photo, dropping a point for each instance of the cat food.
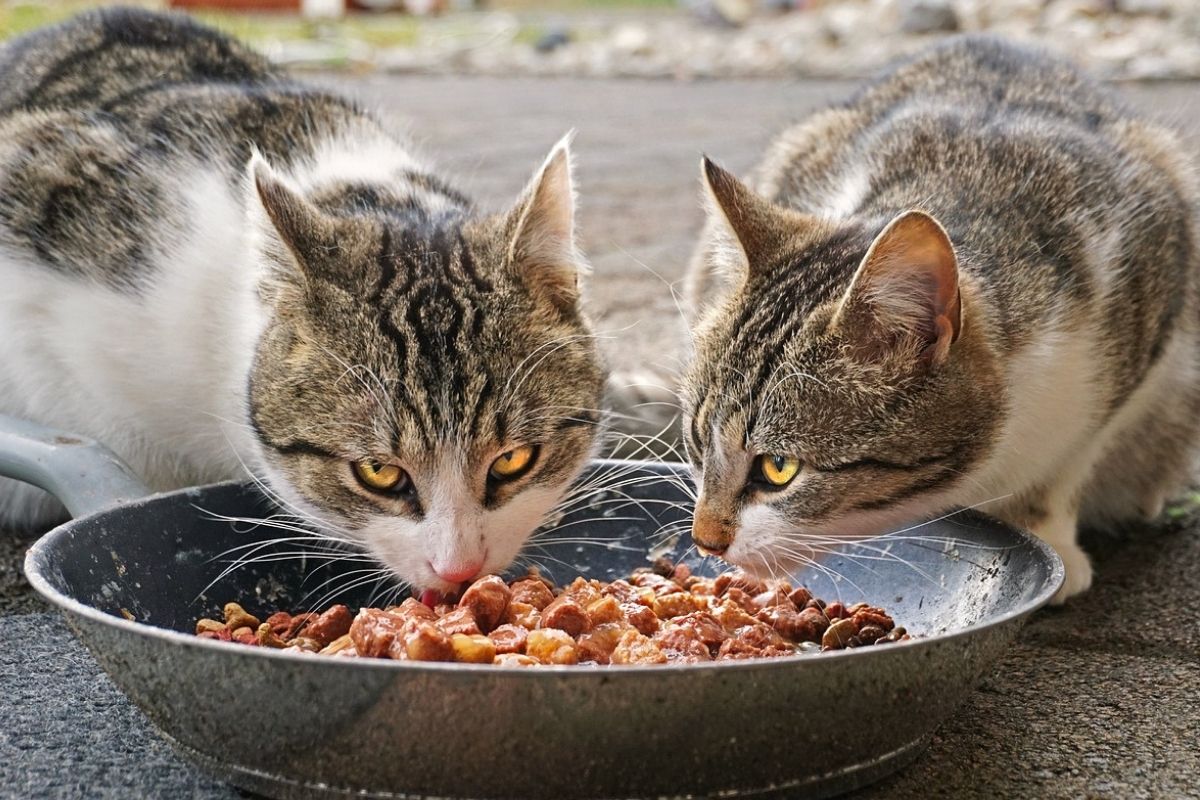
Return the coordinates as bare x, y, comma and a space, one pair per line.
659, 615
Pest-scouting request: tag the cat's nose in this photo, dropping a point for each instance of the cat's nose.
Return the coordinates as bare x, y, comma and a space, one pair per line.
457, 573
711, 533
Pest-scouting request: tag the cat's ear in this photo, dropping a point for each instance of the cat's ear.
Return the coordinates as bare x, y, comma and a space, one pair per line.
906, 291
751, 230
542, 249
293, 230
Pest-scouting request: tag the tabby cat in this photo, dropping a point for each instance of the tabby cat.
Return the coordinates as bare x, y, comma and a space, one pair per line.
204, 263
975, 283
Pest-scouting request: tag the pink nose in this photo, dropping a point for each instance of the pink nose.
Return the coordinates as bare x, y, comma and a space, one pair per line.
457, 573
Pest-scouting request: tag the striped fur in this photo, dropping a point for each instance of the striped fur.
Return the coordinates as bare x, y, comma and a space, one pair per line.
1071, 391
208, 265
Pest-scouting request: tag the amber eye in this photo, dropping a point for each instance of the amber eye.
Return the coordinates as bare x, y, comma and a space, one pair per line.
380, 477
514, 463
778, 470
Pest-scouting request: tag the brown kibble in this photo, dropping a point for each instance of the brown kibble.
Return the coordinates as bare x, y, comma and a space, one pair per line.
509, 639
835, 610
552, 646
597, 644
460, 620
268, 638
583, 591
626, 592
373, 632
487, 598
640, 617
731, 615
333, 624
210, 626
424, 641
706, 627
280, 623
237, 617
604, 610
772, 597
473, 649
838, 634
635, 648
565, 614
789, 623
800, 597
297, 624
873, 616
312, 645
648, 619
868, 634
522, 615
676, 604
743, 600
338, 646
682, 644
244, 635
740, 580
515, 660
413, 609
532, 592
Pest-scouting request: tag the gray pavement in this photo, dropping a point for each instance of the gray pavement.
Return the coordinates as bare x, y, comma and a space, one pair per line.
1100, 699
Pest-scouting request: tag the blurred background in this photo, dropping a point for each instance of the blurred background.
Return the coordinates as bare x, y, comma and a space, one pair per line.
681, 39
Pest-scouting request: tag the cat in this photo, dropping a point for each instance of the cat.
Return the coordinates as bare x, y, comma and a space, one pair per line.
973, 284
207, 265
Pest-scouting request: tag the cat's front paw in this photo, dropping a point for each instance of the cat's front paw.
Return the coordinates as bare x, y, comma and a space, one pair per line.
1079, 573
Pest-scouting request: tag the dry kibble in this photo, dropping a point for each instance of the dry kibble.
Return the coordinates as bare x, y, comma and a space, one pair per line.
838, 634
661, 614
268, 638
340, 645
237, 617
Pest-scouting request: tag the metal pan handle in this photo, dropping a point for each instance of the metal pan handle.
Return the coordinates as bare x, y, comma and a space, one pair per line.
84, 475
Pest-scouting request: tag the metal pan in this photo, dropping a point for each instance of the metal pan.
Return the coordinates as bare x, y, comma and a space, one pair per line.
295, 726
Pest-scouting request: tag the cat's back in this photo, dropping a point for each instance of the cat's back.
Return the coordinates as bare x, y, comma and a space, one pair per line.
106, 58
123, 130
1047, 183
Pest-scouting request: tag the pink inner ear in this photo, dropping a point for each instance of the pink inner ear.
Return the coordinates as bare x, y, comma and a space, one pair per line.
909, 279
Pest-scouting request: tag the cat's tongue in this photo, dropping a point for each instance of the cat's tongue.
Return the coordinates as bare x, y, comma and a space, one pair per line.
431, 597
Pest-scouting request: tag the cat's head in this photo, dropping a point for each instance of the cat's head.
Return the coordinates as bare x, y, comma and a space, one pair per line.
842, 385
427, 384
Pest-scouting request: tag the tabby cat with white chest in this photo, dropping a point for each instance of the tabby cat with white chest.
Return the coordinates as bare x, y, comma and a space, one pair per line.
203, 262
974, 284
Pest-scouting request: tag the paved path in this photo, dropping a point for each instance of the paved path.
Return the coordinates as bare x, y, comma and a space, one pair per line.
1099, 699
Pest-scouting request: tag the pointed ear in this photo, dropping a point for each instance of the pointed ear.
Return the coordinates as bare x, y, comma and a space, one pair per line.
906, 291
542, 250
752, 227
292, 227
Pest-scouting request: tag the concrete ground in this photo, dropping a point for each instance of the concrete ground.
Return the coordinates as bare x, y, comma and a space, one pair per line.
1098, 699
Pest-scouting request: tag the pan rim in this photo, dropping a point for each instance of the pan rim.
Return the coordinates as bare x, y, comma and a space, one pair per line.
38, 553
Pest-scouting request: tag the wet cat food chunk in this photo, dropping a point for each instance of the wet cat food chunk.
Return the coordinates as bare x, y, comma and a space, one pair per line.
661, 614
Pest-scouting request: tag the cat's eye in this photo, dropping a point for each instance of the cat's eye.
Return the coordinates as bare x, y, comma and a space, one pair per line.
776, 470
380, 477
514, 463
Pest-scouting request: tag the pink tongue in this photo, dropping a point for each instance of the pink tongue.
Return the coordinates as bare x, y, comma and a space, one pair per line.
431, 597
